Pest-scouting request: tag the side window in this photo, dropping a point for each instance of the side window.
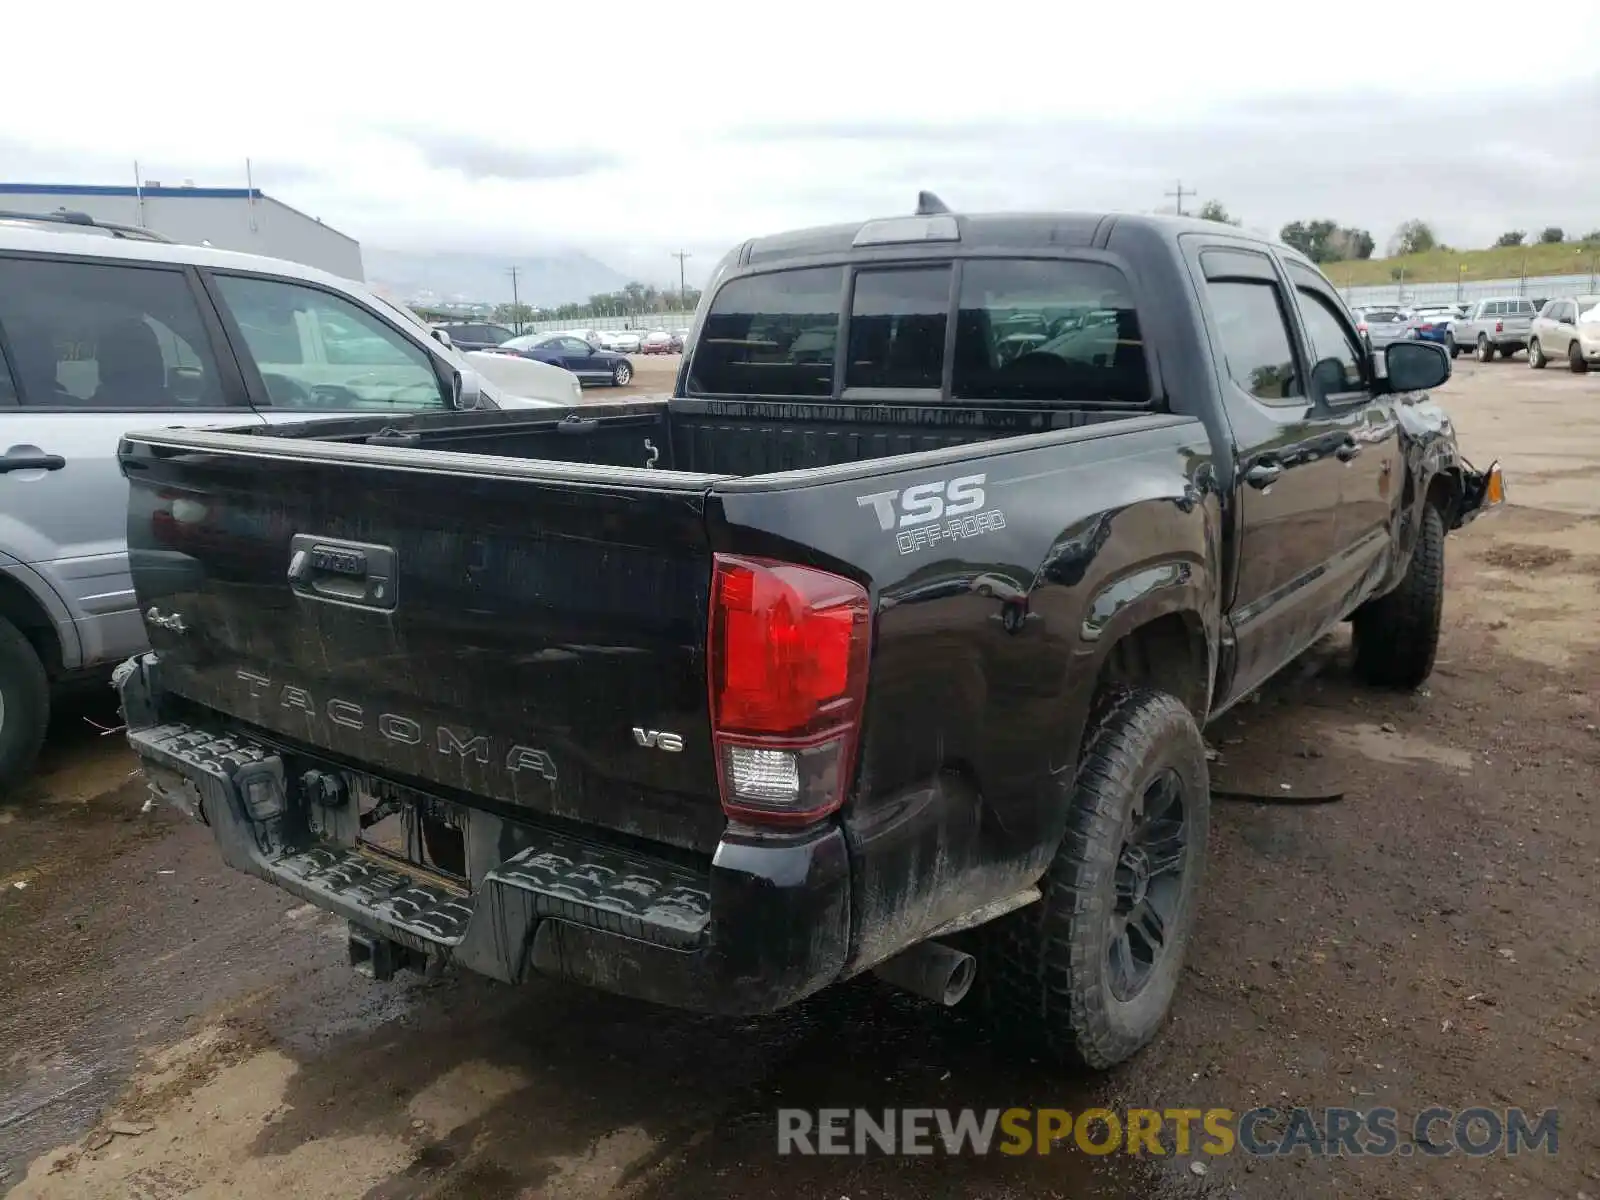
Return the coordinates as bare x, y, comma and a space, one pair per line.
317, 350
575, 346
1569, 312
897, 325
1551, 311
770, 335
1331, 344
1051, 331
86, 335
1254, 337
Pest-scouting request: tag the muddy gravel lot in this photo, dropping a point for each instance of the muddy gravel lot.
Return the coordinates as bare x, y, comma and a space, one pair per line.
171, 1028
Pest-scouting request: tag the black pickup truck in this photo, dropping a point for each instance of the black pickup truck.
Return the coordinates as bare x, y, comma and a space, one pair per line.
884, 643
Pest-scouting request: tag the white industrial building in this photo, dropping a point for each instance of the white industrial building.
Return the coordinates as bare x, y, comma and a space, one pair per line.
244, 219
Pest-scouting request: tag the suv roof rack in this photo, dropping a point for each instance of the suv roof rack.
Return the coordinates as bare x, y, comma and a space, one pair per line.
83, 220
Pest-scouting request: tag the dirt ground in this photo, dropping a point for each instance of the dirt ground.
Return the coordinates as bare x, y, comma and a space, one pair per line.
169, 1028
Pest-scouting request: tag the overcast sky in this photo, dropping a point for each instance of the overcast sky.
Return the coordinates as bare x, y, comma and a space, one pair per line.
630, 130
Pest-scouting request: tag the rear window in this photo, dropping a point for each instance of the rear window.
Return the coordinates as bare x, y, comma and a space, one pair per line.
1043, 331
1053, 331
897, 325
771, 335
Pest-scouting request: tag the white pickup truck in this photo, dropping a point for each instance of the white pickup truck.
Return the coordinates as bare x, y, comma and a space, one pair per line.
1500, 323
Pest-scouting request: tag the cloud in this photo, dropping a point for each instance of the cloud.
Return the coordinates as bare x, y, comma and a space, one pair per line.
721, 128
478, 158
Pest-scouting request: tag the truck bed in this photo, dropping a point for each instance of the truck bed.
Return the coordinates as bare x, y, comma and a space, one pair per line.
739, 438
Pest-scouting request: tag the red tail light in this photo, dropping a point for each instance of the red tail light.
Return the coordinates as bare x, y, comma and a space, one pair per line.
1499, 326
788, 679
1361, 328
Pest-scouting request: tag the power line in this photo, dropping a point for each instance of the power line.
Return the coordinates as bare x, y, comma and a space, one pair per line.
516, 302
1179, 194
683, 287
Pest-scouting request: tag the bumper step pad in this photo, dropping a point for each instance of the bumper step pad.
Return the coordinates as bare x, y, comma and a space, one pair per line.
389, 892
610, 889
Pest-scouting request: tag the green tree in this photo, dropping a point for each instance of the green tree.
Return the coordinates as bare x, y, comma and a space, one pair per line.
1592, 236
1212, 210
1413, 237
1513, 237
1552, 235
516, 315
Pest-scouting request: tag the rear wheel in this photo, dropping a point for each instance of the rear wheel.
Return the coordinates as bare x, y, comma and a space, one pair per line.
1536, 358
1088, 972
24, 705
1450, 345
1575, 358
622, 374
1485, 350
1397, 635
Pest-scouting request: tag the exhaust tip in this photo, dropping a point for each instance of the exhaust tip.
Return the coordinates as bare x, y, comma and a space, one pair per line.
932, 971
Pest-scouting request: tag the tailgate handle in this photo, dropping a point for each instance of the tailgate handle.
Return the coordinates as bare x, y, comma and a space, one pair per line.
342, 572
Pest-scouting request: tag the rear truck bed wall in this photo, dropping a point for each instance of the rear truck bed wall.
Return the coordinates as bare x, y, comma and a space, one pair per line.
1113, 550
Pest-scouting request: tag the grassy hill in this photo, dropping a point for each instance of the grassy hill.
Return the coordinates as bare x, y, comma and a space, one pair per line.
1442, 266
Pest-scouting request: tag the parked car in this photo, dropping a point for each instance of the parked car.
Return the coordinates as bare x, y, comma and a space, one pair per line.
659, 342
1568, 328
1382, 325
1501, 323
104, 334
474, 336
623, 341
647, 725
589, 363
679, 337
1433, 323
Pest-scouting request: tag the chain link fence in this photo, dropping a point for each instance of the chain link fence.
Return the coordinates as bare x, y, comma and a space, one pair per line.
1540, 287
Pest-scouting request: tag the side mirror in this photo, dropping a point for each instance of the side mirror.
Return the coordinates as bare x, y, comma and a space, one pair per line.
441, 337
1327, 377
468, 390
1415, 366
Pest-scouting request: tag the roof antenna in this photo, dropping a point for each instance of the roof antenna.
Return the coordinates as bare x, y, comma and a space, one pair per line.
929, 205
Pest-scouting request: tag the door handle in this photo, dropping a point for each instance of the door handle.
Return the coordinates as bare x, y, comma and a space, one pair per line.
1347, 451
1263, 475
31, 462
356, 573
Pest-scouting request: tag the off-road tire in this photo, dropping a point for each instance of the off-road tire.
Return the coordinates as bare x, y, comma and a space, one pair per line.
24, 706
1044, 969
1485, 350
1397, 635
1536, 358
1575, 359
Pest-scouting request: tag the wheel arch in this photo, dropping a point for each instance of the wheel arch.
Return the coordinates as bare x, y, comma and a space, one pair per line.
33, 620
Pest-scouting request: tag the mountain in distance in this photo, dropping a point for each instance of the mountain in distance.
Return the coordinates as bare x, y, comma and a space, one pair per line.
542, 280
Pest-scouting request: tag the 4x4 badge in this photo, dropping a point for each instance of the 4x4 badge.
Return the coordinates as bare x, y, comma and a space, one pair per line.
174, 623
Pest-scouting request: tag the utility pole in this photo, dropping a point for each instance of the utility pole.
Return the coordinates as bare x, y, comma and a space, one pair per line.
516, 303
683, 288
1179, 194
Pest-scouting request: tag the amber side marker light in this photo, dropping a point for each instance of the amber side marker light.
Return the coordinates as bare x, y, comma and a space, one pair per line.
1494, 487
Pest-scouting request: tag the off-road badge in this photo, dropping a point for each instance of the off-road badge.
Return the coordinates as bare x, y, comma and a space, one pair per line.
938, 511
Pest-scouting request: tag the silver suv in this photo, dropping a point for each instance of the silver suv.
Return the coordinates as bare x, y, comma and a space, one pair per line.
104, 329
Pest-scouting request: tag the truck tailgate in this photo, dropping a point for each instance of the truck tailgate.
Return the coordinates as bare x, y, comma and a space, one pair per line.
528, 632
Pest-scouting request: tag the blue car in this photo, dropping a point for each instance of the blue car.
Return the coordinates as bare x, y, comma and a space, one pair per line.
1432, 324
589, 363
